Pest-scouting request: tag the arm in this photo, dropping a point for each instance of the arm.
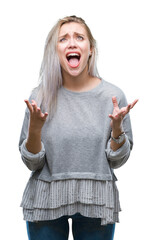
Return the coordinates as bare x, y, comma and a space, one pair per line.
30, 145
37, 120
118, 154
117, 121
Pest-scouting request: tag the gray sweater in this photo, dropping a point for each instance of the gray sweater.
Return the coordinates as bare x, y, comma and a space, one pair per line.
76, 142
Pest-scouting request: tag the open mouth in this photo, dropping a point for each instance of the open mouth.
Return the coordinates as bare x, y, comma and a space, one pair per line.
73, 59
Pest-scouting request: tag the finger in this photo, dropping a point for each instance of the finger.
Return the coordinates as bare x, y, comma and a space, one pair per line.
133, 103
111, 116
115, 103
34, 104
39, 112
42, 115
115, 117
128, 109
29, 105
45, 115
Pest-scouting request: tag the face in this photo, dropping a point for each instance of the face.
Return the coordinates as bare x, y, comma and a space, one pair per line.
73, 49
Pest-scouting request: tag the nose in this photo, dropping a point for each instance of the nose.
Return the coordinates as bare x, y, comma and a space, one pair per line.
72, 43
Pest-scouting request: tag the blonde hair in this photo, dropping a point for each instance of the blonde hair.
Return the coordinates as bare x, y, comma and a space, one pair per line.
50, 78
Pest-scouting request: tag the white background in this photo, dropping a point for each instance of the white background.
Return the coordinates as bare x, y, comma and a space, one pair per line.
126, 32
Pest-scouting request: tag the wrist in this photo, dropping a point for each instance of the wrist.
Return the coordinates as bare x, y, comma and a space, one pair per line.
117, 132
34, 130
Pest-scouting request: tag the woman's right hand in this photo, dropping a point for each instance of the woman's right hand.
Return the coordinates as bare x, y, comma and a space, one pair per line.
37, 118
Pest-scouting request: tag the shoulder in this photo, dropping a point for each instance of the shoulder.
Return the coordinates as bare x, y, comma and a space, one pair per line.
34, 93
111, 90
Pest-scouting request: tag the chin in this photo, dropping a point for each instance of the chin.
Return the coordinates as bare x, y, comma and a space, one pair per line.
79, 71
74, 72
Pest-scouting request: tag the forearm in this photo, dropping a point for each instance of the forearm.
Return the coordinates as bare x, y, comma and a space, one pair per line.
33, 143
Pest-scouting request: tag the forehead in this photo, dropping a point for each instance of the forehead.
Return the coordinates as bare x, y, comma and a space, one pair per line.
71, 28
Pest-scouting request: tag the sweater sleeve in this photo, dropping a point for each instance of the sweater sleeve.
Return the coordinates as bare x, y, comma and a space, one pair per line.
118, 158
32, 161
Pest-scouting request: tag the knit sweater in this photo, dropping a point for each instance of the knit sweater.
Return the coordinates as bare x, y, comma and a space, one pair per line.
76, 154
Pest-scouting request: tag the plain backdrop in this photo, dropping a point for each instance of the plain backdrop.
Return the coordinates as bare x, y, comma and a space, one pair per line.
126, 34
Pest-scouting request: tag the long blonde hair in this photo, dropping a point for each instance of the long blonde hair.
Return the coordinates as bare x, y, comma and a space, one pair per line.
50, 78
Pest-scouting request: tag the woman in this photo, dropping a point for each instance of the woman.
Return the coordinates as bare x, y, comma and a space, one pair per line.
72, 142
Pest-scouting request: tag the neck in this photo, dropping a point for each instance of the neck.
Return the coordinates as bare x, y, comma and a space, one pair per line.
76, 83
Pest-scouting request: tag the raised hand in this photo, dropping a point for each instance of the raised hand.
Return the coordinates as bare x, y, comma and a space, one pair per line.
117, 119
118, 114
37, 118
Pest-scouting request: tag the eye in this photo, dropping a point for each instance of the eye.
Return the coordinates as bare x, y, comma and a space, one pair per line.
62, 40
80, 38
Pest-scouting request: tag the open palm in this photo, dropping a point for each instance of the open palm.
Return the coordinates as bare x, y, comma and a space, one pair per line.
118, 114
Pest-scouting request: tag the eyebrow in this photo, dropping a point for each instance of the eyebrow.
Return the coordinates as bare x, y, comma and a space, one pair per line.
75, 33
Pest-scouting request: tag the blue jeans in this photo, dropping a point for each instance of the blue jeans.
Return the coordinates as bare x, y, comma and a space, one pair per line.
83, 228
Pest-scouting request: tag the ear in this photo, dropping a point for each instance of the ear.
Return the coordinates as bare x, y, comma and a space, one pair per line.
91, 50
90, 53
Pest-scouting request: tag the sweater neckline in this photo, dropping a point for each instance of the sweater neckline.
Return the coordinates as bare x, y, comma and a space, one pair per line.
95, 89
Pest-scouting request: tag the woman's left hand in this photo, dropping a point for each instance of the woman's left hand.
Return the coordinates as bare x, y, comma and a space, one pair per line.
118, 114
